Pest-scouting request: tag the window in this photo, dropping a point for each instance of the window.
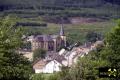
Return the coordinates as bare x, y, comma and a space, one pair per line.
50, 45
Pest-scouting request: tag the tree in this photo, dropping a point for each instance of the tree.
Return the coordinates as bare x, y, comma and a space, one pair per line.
13, 66
93, 36
37, 77
26, 45
54, 76
64, 74
113, 44
111, 52
86, 69
39, 53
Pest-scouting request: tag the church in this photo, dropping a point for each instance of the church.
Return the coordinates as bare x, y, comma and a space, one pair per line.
49, 42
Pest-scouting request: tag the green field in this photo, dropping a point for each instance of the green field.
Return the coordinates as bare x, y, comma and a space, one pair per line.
75, 32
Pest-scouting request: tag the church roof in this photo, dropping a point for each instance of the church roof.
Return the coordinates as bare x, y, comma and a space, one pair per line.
54, 36
43, 38
49, 37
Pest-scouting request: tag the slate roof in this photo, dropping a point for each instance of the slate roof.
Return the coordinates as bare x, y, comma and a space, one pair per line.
40, 64
43, 38
55, 56
54, 36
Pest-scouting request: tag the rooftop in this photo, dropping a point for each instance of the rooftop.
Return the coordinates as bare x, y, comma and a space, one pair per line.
43, 38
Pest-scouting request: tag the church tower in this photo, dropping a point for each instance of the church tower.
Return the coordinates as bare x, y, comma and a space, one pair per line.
62, 36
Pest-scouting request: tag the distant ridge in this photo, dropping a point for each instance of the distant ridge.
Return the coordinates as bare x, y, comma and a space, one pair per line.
113, 1
55, 8
60, 2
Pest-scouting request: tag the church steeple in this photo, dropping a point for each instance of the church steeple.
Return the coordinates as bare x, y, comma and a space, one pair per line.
61, 31
62, 35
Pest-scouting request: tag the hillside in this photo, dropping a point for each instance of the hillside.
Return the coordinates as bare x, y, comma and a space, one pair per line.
65, 8
81, 3
91, 15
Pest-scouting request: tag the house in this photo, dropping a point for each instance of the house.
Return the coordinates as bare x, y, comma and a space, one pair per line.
30, 38
62, 51
81, 51
47, 66
97, 44
70, 55
55, 56
73, 55
52, 63
49, 42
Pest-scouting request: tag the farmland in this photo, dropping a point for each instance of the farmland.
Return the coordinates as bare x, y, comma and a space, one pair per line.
75, 32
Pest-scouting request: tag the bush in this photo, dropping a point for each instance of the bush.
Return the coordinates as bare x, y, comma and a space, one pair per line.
37, 77
39, 53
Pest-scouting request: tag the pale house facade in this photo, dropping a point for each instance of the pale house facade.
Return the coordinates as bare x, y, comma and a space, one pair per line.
44, 66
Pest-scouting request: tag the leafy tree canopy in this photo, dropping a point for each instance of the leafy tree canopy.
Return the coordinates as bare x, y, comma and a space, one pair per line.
13, 66
39, 53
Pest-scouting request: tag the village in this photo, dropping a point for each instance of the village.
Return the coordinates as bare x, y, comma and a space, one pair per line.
59, 39
55, 60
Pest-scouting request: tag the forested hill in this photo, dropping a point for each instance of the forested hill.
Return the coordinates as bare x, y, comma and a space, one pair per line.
65, 3
69, 8
114, 1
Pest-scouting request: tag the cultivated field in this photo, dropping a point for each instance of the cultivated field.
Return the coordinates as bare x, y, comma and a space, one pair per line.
75, 32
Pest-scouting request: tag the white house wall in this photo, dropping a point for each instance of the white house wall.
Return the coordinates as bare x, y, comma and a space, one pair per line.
65, 62
38, 70
51, 67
